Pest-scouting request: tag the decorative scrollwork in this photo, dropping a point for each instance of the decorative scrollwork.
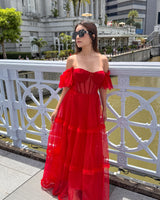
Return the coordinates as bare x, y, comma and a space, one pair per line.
124, 122
40, 106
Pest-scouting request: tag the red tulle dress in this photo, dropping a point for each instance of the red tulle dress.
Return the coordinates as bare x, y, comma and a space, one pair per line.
77, 164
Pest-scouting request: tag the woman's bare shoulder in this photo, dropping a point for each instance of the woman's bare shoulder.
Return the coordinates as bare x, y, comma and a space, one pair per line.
70, 61
105, 62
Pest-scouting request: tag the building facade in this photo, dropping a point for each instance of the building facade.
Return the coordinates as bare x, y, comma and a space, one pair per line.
48, 18
119, 9
158, 13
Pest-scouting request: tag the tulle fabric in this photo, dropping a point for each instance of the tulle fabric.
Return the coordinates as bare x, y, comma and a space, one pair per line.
77, 164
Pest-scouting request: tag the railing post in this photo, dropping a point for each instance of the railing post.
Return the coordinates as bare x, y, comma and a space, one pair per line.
9, 76
158, 154
123, 83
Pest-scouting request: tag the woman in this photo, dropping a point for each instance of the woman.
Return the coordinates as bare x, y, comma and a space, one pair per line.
77, 154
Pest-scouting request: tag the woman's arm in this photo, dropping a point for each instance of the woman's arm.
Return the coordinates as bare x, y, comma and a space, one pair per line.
64, 91
103, 92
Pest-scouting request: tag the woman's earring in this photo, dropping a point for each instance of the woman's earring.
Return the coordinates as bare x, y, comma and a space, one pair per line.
93, 36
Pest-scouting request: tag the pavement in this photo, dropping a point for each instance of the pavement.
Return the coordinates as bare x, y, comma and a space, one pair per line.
20, 180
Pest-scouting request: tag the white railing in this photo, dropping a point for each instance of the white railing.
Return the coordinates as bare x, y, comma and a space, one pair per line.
24, 83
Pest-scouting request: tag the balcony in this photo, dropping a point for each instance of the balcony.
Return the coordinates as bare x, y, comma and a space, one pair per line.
133, 131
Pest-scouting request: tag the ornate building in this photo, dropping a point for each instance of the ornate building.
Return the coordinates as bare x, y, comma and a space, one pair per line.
48, 18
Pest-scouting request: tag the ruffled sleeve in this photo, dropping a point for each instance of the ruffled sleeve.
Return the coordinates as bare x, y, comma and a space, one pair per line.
107, 83
66, 79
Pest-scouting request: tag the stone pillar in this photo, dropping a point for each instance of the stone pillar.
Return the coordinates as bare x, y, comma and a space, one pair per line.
47, 8
33, 6
81, 9
7, 4
92, 9
3, 4
37, 7
102, 10
18, 6
60, 8
86, 8
42, 9
29, 6
96, 9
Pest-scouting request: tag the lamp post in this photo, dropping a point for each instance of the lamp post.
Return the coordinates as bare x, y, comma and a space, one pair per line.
113, 45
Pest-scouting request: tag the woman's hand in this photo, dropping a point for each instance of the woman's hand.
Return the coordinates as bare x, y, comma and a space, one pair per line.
104, 113
54, 114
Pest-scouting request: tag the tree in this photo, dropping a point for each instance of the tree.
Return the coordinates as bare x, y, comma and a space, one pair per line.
130, 21
74, 5
106, 19
55, 11
67, 7
40, 43
133, 14
137, 25
78, 2
65, 39
10, 22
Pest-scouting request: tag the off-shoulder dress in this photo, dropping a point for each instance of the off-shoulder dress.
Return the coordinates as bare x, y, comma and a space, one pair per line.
77, 164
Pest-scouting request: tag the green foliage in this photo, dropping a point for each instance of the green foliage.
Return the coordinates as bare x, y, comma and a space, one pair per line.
65, 53
40, 43
130, 21
14, 55
132, 15
78, 2
109, 50
74, 2
106, 19
62, 54
137, 25
65, 39
67, 7
54, 54
132, 46
10, 22
51, 54
55, 12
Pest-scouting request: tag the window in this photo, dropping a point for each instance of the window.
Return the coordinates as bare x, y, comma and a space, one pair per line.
158, 17
110, 0
33, 34
112, 14
111, 7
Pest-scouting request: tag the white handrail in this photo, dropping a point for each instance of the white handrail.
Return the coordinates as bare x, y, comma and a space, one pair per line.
23, 80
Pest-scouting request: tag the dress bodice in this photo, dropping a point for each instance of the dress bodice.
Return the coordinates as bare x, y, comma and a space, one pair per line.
86, 82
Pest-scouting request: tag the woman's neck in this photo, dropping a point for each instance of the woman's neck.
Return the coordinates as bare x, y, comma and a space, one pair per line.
87, 51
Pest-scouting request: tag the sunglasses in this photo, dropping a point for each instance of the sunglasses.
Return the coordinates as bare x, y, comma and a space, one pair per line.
81, 33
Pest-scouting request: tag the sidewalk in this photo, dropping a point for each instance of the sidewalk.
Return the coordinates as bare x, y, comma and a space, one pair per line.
20, 180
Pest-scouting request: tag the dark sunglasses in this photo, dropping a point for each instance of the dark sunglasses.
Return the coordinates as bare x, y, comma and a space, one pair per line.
81, 33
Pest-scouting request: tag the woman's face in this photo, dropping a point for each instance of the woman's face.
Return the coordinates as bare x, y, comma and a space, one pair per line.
85, 40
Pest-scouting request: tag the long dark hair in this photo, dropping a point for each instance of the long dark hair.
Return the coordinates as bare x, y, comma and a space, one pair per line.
92, 29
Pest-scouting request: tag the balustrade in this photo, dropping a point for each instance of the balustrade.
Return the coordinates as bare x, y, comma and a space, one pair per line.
24, 84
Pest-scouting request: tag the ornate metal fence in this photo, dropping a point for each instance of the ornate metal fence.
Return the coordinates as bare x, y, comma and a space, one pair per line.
133, 144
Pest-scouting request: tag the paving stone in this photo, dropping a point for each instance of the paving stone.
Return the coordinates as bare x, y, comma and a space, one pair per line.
10, 180
122, 194
31, 190
20, 180
15, 170
3, 153
21, 163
